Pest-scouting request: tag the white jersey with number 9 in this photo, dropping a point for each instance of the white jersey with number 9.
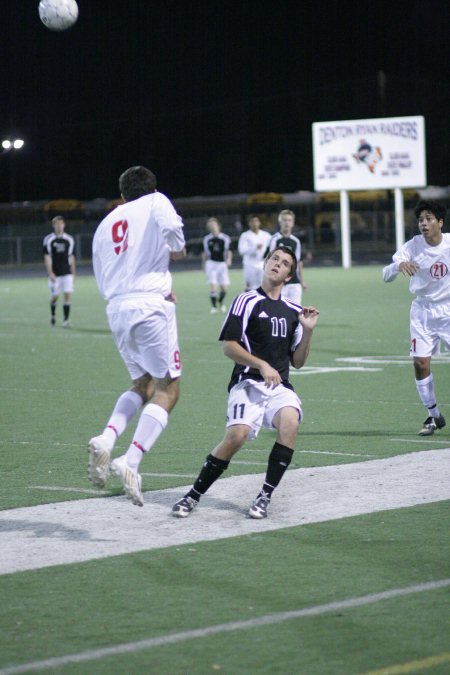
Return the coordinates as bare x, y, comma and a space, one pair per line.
132, 245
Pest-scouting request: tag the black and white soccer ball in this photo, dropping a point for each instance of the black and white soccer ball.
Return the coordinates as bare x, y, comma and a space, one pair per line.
58, 14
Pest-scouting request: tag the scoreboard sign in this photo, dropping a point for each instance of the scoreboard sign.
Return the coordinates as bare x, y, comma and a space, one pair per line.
373, 154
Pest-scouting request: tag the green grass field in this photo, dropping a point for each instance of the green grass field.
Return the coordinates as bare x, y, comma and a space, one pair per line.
57, 390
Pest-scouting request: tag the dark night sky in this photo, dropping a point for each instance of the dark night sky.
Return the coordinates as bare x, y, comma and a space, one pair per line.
217, 97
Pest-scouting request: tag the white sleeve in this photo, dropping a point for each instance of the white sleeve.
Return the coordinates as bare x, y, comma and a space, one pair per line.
272, 242
404, 254
297, 337
243, 244
390, 272
170, 223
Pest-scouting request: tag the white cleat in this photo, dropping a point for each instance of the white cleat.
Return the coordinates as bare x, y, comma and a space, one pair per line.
99, 461
131, 480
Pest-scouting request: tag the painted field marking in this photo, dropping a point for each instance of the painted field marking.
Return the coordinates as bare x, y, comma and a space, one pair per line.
413, 666
399, 360
56, 488
318, 370
248, 624
312, 452
333, 452
414, 440
170, 475
103, 527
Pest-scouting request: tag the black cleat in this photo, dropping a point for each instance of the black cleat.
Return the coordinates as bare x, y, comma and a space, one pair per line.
259, 507
184, 507
431, 424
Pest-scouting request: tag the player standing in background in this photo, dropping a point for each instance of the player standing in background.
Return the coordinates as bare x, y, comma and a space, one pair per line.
217, 257
252, 246
59, 259
426, 259
294, 287
132, 249
263, 334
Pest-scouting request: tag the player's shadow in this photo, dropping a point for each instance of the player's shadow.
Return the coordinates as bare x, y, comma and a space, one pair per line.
44, 530
168, 499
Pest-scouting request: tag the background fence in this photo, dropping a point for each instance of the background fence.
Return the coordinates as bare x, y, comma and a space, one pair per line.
23, 226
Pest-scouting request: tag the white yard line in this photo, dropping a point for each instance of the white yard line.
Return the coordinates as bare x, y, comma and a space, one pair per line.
76, 531
248, 624
60, 488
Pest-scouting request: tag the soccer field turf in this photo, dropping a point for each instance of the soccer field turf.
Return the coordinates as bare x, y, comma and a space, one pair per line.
57, 390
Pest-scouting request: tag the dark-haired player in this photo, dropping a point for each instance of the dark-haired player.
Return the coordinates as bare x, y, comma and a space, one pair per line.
217, 257
263, 334
59, 259
426, 259
131, 251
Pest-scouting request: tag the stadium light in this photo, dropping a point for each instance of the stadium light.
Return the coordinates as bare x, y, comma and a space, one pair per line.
8, 145
16, 144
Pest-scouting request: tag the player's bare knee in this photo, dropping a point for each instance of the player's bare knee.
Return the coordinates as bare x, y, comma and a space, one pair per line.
421, 367
287, 422
236, 436
144, 387
167, 392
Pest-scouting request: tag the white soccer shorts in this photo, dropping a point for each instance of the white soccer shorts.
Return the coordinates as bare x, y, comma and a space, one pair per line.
429, 326
252, 403
145, 332
253, 276
217, 273
292, 292
63, 284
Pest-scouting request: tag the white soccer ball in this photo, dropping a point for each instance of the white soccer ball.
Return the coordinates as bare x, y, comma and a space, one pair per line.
58, 14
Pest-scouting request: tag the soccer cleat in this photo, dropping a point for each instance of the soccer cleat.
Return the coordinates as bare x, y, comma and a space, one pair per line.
214, 310
184, 507
67, 324
431, 424
52, 321
259, 507
223, 308
131, 480
99, 460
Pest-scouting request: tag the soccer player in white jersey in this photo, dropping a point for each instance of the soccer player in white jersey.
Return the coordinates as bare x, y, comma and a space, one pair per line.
426, 260
59, 260
252, 247
263, 334
217, 257
132, 248
294, 287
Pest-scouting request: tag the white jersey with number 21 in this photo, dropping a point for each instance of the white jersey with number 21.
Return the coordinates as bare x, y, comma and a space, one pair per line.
432, 281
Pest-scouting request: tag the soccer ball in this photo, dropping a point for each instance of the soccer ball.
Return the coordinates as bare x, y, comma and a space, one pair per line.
58, 14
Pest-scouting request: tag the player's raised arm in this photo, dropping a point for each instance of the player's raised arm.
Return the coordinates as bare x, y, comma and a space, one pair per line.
308, 319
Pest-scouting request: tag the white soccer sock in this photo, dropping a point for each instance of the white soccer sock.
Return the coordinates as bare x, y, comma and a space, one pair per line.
425, 389
152, 422
125, 409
